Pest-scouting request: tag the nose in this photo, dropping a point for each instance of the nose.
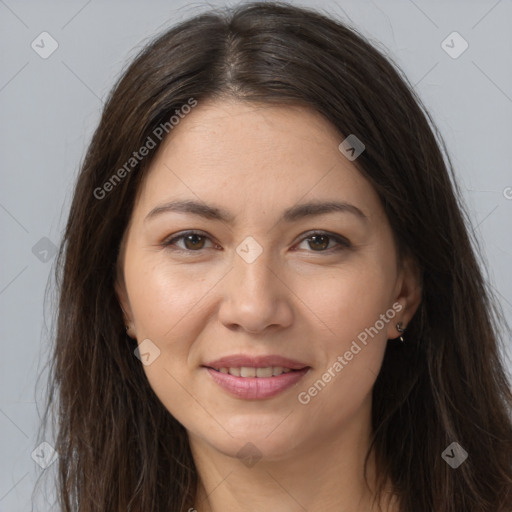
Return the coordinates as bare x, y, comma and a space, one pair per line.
256, 297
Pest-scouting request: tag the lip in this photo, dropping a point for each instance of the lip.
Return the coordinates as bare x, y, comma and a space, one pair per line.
256, 388
239, 360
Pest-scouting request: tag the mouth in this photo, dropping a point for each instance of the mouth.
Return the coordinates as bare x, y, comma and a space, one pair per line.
253, 378
251, 371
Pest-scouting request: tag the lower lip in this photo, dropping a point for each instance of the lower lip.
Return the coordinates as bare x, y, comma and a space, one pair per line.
256, 388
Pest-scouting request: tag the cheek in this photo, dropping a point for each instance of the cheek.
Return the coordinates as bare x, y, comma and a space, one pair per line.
349, 300
356, 310
168, 303
164, 296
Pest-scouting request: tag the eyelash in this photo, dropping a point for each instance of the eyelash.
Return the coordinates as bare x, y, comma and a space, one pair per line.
342, 242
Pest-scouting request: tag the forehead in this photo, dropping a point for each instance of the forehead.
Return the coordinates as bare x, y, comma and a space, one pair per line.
254, 156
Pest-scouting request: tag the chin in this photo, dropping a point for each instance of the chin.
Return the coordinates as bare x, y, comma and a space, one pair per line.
268, 441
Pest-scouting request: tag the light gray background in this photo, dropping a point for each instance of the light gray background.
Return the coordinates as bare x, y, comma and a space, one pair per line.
51, 106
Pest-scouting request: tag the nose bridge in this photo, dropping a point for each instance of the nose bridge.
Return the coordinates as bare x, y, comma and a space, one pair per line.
255, 296
253, 267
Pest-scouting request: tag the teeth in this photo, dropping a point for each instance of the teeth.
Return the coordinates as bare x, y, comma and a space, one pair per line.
247, 371
264, 372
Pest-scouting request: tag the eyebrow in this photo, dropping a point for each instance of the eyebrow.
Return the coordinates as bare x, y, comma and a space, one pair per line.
292, 214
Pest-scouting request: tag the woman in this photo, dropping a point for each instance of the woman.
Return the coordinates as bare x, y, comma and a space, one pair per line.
268, 293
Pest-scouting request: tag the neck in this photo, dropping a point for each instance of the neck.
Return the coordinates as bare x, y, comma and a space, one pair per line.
324, 475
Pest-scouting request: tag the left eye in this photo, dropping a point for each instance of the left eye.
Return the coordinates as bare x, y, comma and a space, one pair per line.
322, 241
195, 241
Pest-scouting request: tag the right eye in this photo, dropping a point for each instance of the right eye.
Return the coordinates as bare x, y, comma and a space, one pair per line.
193, 241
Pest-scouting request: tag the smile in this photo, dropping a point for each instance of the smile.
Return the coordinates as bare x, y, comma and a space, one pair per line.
248, 371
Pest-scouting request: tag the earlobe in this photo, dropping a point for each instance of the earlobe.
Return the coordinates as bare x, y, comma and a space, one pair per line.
122, 298
409, 291
122, 294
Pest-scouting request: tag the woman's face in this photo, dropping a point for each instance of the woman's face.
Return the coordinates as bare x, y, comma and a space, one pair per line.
298, 301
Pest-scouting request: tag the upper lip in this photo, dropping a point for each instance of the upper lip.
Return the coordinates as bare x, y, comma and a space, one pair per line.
239, 360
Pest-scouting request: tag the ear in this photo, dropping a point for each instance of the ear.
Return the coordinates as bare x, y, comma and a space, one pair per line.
408, 293
122, 297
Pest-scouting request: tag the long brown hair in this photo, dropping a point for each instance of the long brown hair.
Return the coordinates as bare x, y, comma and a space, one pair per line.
119, 448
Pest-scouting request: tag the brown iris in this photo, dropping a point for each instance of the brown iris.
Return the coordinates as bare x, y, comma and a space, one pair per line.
314, 240
194, 241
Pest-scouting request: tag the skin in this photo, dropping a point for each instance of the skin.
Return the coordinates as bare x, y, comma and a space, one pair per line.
299, 299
